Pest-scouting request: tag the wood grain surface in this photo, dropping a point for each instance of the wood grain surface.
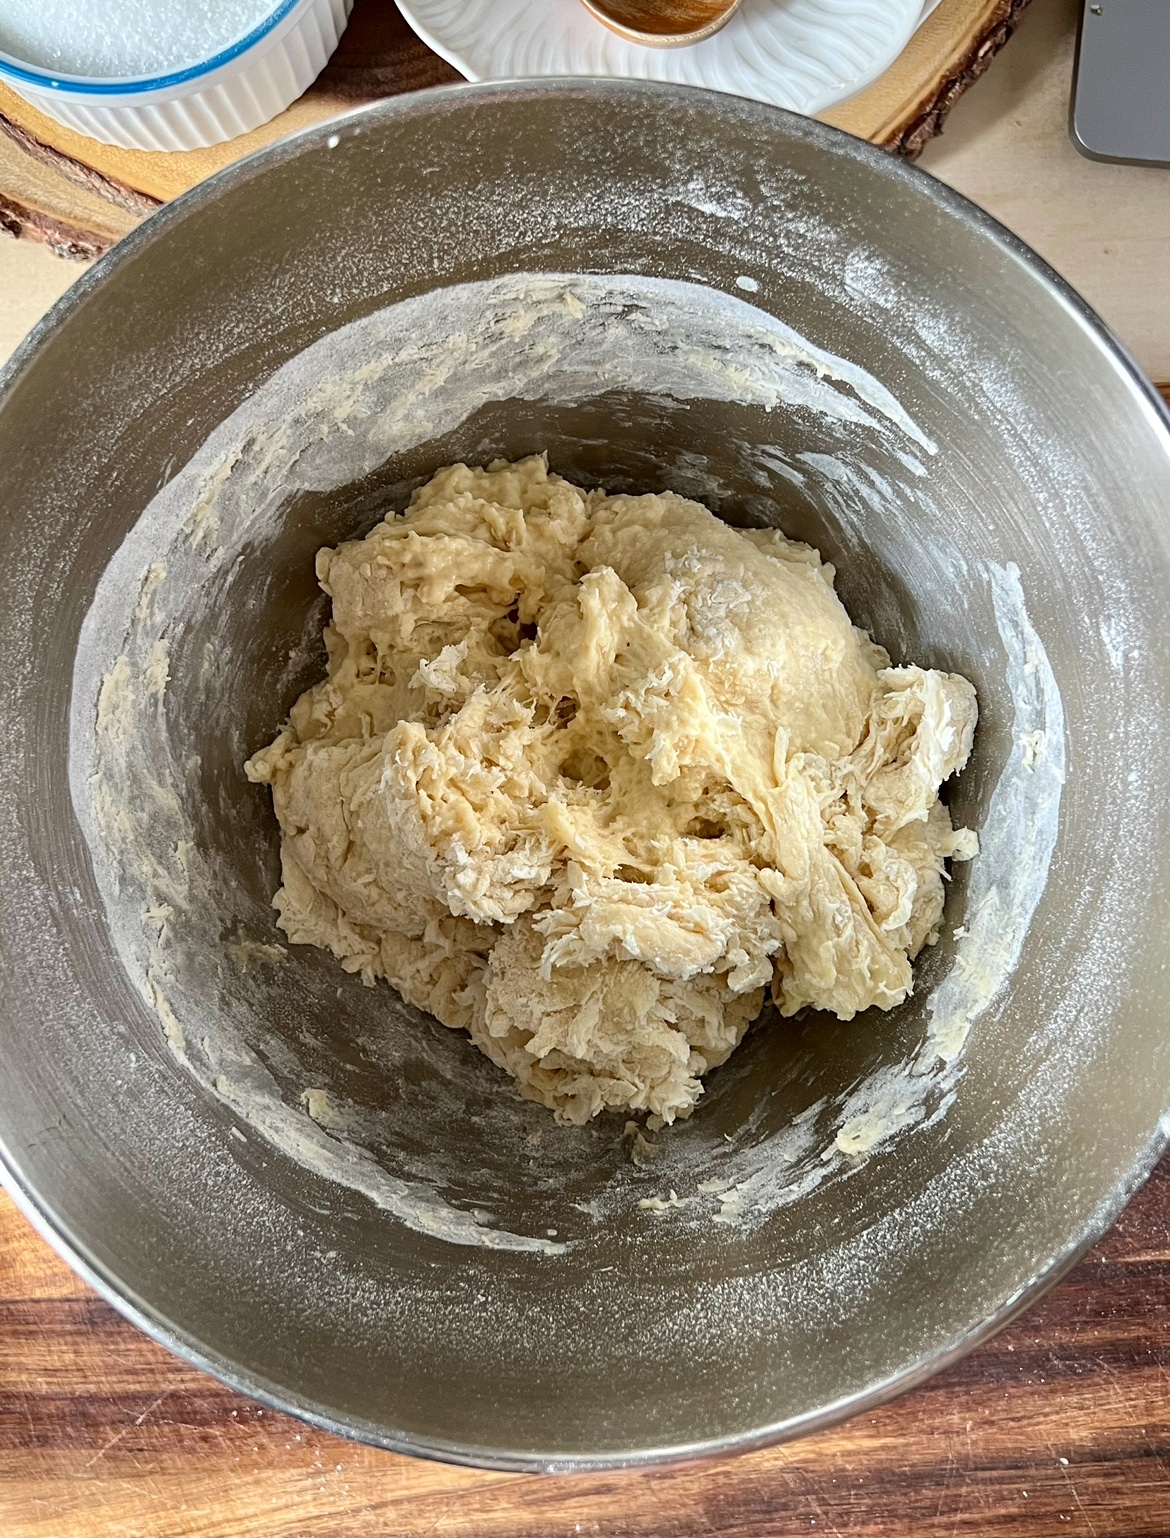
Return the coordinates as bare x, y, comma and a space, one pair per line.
78, 195
1060, 1425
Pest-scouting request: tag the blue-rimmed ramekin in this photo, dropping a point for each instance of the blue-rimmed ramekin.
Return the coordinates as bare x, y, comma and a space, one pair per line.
239, 88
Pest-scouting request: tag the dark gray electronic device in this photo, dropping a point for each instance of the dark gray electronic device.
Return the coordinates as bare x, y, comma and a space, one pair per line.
1121, 85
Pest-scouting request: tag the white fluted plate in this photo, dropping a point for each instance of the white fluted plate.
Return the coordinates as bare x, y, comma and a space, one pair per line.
805, 55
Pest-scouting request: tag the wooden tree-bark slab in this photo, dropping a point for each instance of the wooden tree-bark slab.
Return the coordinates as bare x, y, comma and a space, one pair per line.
54, 182
38, 199
1060, 1425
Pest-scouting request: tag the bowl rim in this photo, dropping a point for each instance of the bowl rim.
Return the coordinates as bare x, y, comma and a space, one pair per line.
165, 1331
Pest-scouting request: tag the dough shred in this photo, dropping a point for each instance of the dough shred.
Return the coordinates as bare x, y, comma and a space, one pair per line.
589, 774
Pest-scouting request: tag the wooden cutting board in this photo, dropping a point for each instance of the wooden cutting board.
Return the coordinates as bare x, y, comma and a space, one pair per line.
80, 196
1060, 1425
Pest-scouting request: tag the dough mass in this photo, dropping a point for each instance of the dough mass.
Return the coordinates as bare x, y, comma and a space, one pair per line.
588, 774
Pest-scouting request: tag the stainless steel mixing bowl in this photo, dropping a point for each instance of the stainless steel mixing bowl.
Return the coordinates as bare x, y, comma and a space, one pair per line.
648, 1334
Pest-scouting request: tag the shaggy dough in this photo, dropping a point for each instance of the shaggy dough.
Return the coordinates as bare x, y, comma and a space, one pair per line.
589, 773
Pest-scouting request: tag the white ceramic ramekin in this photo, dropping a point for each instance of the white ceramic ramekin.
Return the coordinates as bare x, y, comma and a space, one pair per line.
238, 89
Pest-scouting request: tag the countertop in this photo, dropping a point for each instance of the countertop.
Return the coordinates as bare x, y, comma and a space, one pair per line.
1060, 1425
